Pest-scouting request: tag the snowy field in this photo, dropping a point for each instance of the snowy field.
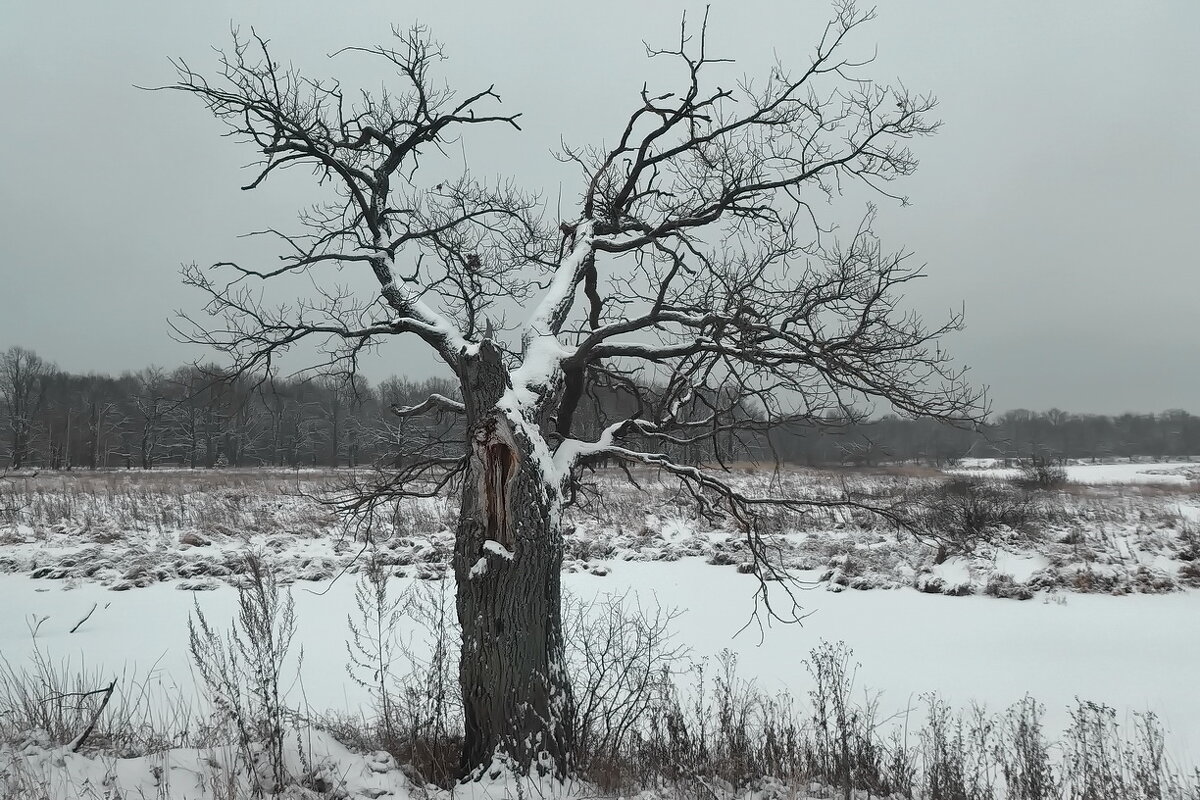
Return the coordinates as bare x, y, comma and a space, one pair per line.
1166, 473
1133, 653
1113, 614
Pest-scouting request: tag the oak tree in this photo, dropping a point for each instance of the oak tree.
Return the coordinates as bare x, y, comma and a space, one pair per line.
694, 277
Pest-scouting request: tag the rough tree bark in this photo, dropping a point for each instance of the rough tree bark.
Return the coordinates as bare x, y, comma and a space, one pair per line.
508, 568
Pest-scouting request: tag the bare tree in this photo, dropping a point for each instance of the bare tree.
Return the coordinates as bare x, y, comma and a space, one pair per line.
339, 403
240, 423
22, 391
104, 420
150, 405
694, 278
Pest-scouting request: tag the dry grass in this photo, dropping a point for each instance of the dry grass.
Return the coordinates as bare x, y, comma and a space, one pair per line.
214, 501
52, 702
129, 528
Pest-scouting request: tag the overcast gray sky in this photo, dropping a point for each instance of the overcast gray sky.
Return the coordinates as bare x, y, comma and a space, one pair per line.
1058, 204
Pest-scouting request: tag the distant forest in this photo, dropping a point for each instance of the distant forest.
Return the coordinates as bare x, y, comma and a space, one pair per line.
195, 417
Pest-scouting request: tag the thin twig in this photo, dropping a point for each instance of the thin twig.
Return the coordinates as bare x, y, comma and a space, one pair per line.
85, 618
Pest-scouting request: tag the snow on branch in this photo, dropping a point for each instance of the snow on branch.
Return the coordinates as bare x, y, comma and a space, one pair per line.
549, 314
420, 317
542, 351
435, 402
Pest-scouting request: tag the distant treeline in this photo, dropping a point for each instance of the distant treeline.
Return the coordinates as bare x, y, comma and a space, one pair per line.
1019, 434
196, 417
193, 417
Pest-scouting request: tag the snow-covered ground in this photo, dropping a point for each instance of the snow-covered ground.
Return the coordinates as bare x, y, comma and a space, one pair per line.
129, 530
1134, 653
1166, 473
1114, 616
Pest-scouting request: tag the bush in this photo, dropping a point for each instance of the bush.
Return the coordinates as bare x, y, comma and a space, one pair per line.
962, 513
622, 658
242, 669
1002, 585
1187, 546
1041, 474
417, 703
1189, 574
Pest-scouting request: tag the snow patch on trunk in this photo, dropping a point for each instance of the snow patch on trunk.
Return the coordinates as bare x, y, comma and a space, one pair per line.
496, 549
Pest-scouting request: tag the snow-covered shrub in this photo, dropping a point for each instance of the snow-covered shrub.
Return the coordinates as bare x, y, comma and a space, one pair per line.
1148, 580
1187, 544
1041, 474
1087, 579
961, 514
1189, 574
242, 670
1024, 754
1000, 584
622, 658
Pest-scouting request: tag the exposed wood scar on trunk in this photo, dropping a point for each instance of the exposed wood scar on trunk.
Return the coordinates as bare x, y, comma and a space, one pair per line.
497, 451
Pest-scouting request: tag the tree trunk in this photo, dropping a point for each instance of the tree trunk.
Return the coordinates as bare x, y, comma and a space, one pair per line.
193, 442
210, 439
93, 435
19, 445
508, 567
